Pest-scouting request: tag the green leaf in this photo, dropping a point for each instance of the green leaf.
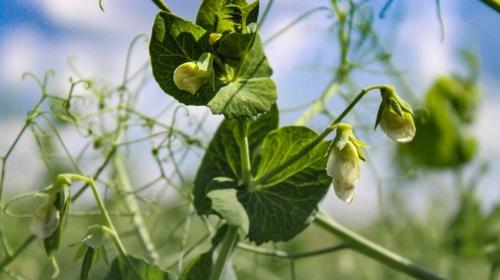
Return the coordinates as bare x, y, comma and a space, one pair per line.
200, 267
284, 206
233, 46
82, 249
87, 263
285, 142
222, 158
244, 98
226, 204
175, 41
146, 270
442, 140
205, 63
253, 92
61, 203
226, 15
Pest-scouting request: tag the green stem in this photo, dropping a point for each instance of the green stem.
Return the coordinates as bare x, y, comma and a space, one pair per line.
30, 239
232, 233
133, 207
289, 256
102, 207
224, 253
3, 160
494, 4
372, 250
244, 153
161, 5
318, 139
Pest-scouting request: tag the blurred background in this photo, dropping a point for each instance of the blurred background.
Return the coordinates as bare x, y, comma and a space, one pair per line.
435, 201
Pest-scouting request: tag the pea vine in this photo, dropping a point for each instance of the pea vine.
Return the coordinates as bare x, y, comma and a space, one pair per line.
258, 182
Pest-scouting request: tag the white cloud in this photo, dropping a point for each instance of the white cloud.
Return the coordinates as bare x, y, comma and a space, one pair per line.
18, 54
118, 17
487, 128
420, 48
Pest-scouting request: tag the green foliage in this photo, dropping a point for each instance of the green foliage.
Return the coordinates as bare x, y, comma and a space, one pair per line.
222, 155
227, 15
241, 86
173, 42
143, 267
470, 230
225, 203
62, 203
201, 266
441, 140
283, 206
258, 178
88, 261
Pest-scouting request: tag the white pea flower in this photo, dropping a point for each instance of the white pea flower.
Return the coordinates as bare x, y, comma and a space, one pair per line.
344, 162
395, 117
45, 221
189, 77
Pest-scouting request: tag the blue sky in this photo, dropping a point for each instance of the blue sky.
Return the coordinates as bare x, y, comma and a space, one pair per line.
40, 35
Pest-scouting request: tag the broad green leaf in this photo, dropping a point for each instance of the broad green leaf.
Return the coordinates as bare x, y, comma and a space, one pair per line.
283, 207
253, 92
234, 46
285, 142
200, 267
222, 157
226, 15
244, 98
226, 204
146, 270
175, 41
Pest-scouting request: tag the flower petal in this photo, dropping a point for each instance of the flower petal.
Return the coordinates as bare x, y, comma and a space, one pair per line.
344, 191
45, 221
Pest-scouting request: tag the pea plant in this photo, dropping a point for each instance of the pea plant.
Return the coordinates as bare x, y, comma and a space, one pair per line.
258, 182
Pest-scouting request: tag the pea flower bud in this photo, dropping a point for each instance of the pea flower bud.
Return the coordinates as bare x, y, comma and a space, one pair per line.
395, 116
45, 221
189, 77
344, 162
213, 38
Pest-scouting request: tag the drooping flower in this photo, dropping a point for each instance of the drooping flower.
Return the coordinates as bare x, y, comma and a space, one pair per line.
395, 116
45, 221
344, 162
189, 77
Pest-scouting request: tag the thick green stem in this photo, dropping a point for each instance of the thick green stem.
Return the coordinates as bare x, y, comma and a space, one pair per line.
133, 207
318, 139
372, 250
224, 253
244, 153
494, 4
